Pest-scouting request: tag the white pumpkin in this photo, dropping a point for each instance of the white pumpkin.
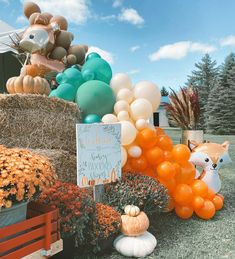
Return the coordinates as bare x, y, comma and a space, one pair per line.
132, 210
140, 246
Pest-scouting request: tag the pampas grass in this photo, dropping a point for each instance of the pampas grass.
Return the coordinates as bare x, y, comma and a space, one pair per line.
184, 108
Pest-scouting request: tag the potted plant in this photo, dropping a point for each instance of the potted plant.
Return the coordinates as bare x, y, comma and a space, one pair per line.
23, 176
184, 111
76, 208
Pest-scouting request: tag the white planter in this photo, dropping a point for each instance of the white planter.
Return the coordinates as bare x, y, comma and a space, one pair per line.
189, 135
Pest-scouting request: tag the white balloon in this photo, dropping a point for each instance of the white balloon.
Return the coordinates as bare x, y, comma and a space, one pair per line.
128, 133
109, 118
135, 151
123, 116
141, 109
125, 94
120, 81
124, 156
149, 91
121, 106
141, 124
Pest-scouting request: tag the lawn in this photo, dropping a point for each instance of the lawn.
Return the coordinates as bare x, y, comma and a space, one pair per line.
196, 238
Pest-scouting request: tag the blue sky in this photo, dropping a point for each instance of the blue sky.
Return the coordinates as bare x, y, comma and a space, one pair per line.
156, 40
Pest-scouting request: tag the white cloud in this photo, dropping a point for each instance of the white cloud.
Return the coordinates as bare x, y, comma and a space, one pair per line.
103, 53
108, 17
179, 50
75, 11
134, 72
21, 20
228, 41
134, 48
131, 15
117, 3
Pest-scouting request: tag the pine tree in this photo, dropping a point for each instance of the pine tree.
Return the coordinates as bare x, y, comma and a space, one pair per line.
204, 79
221, 101
164, 91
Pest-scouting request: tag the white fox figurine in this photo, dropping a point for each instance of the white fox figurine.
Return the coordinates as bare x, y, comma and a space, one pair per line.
210, 157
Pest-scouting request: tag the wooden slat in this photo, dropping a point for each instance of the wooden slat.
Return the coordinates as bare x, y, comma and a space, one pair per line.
29, 249
26, 237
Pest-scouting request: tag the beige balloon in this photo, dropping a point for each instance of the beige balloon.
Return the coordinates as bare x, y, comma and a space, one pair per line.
141, 124
124, 156
109, 118
141, 109
126, 95
128, 133
149, 91
120, 81
121, 106
135, 151
123, 116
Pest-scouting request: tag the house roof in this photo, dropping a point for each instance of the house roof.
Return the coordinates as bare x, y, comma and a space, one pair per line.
5, 31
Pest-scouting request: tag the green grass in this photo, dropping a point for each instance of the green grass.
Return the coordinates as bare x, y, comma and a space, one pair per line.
196, 238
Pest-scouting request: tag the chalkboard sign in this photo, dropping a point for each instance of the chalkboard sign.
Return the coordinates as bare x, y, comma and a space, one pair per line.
98, 153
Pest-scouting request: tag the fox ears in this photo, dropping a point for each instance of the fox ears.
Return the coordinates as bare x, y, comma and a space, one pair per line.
193, 144
225, 145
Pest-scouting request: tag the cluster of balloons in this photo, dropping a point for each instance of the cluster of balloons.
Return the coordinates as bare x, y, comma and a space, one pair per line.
157, 157
89, 87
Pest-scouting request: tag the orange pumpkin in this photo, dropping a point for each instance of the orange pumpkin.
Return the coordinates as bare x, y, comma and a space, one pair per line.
34, 70
28, 85
134, 222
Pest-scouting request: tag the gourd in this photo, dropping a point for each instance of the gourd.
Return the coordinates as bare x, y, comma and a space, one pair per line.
28, 85
34, 70
134, 222
140, 246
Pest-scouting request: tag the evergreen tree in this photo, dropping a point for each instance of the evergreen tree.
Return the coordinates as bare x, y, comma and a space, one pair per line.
221, 102
204, 79
164, 91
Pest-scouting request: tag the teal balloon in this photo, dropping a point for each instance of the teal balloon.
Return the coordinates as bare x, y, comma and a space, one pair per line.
53, 93
66, 91
71, 76
96, 68
92, 118
95, 97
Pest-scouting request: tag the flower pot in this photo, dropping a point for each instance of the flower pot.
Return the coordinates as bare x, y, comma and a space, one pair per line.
189, 135
13, 215
68, 249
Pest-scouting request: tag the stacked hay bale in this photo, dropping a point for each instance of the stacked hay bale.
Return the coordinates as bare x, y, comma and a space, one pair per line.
45, 125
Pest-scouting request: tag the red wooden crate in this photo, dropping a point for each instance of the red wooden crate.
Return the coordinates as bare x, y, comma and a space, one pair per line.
38, 231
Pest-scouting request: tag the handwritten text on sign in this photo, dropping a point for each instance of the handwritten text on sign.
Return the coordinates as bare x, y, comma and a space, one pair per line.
98, 153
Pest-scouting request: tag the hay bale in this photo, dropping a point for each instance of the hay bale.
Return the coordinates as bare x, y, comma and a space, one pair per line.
63, 162
38, 122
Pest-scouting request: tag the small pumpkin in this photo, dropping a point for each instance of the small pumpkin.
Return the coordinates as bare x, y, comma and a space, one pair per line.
28, 85
134, 222
140, 246
34, 70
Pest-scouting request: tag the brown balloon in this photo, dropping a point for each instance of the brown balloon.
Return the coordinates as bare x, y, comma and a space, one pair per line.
30, 8
61, 21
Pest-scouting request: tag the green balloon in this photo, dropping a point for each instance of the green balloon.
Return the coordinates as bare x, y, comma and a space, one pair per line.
92, 118
53, 93
95, 97
96, 68
66, 91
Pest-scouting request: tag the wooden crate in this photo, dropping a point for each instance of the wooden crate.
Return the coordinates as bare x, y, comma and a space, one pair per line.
38, 232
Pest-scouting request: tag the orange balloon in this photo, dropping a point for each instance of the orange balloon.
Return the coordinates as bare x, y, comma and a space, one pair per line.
187, 173
210, 194
154, 156
199, 188
168, 155
218, 202
198, 202
139, 164
170, 184
184, 212
177, 168
127, 167
165, 170
160, 131
165, 142
147, 138
221, 196
181, 153
183, 194
207, 211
